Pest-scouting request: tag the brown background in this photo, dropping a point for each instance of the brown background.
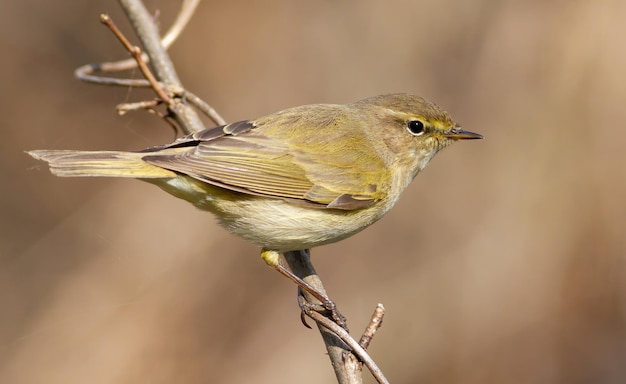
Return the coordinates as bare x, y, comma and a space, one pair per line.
504, 262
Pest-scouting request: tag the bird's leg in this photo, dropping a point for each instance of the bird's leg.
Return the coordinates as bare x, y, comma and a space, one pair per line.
272, 258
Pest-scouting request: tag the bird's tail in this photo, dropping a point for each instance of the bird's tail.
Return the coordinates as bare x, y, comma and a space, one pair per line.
68, 163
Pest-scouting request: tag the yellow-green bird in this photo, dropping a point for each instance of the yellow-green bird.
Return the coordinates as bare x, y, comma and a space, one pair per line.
292, 180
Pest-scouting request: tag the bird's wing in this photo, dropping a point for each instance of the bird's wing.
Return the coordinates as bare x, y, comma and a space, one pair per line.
241, 158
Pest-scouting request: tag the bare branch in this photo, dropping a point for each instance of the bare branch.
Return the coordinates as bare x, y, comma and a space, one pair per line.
148, 34
167, 91
203, 107
85, 72
186, 12
348, 355
340, 351
375, 322
300, 264
148, 105
135, 51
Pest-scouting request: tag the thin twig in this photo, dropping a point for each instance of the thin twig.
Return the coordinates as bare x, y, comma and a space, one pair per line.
300, 264
148, 105
375, 322
148, 33
135, 51
187, 10
203, 107
85, 72
355, 346
141, 20
172, 90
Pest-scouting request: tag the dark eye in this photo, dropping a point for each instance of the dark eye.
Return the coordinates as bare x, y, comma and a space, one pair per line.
416, 127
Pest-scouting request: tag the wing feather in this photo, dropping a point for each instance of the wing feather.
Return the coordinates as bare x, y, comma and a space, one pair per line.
253, 158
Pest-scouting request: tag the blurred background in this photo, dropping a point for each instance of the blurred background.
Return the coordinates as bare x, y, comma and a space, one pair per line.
504, 262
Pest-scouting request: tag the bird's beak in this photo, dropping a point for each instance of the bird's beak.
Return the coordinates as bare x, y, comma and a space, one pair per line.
459, 134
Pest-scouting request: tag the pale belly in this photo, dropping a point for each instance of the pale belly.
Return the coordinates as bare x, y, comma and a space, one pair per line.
273, 224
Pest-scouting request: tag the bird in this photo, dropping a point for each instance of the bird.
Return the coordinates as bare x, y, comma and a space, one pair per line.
291, 180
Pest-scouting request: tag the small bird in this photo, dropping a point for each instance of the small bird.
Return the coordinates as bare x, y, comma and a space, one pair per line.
295, 179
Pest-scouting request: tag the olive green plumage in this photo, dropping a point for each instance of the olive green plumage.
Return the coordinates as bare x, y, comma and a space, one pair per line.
294, 179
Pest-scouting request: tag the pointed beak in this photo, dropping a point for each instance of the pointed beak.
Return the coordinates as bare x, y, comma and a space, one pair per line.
459, 134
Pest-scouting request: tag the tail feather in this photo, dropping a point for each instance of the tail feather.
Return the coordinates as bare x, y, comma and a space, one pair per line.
68, 163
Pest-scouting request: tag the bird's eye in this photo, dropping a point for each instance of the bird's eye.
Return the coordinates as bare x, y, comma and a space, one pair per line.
416, 127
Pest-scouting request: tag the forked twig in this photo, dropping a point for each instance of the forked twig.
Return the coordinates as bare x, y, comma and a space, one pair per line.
346, 356
166, 85
85, 72
355, 346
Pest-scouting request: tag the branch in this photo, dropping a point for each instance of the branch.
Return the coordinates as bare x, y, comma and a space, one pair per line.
346, 371
148, 34
341, 347
352, 365
375, 323
182, 19
165, 91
